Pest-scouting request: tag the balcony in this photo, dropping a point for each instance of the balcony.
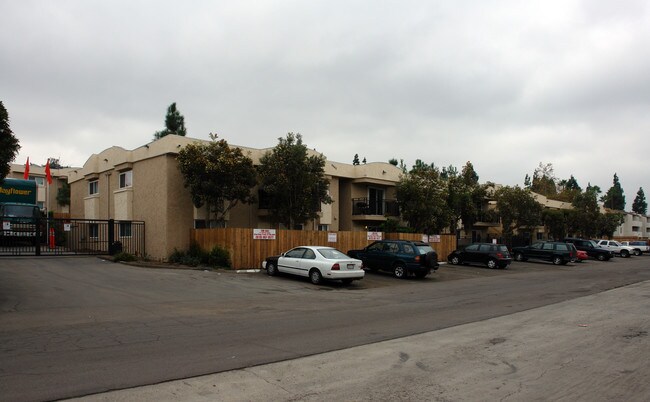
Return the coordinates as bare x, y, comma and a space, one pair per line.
487, 219
367, 209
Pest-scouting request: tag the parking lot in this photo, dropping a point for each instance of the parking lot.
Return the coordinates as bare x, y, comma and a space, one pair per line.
449, 272
72, 326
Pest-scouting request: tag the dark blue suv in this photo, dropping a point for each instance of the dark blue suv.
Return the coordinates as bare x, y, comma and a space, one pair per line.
401, 257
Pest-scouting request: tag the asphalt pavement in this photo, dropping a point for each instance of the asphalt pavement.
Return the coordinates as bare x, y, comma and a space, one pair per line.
593, 348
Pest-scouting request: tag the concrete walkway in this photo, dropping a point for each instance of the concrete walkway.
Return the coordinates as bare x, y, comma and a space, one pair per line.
594, 348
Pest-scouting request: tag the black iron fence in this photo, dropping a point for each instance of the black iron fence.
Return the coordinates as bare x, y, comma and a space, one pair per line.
46, 236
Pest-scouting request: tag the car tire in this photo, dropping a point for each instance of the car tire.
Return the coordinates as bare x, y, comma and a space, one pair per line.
492, 263
520, 257
625, 253
346, 281
399, 270
271, 269
315, 276
557, 260
455, 260
601, 257
637, 252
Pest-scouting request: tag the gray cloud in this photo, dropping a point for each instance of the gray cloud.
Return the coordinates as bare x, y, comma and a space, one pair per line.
504, 84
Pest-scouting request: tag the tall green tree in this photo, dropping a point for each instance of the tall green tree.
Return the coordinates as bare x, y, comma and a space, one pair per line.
294, 181
569, 188
518, 209
9, 145
640, 206
556, 222
586, 213
63, 194
608, 223
218, 176
355, 160
423, 199
174, 123
544, 180
614, 197
464, 195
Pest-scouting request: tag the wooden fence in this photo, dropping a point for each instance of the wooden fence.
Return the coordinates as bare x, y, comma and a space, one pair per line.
246, 252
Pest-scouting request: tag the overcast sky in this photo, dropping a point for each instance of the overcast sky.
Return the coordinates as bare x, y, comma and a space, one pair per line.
503, 84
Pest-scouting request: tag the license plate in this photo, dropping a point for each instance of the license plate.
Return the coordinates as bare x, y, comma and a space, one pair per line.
350, 266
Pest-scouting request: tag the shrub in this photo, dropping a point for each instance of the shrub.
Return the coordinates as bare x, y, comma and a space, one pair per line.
195, 256
176, 256
219, 257
123, 256
190, 261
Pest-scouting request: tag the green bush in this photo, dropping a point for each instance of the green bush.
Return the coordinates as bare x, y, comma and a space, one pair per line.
190, 261
195, 256
123, 256
176, 257
219, 257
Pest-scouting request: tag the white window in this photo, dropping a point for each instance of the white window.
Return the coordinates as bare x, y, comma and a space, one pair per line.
93, 187
323, 228
126, 179
39, 180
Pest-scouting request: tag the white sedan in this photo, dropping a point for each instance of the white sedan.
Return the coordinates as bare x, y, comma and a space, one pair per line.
317, 263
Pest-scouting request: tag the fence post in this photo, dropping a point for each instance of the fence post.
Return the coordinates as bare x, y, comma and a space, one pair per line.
111, 235
37, 236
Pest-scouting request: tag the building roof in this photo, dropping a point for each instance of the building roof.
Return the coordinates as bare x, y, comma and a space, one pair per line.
114, 157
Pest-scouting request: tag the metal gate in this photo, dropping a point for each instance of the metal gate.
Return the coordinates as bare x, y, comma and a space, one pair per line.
46, 236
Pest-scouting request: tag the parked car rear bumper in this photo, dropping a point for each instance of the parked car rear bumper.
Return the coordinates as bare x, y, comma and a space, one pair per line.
353, 274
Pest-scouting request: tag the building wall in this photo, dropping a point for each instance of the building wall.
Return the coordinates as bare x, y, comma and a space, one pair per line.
159, 198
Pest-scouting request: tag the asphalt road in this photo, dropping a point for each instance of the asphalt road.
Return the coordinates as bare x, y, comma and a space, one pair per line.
78, 326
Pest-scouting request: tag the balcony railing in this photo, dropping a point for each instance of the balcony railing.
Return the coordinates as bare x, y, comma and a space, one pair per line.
365, 206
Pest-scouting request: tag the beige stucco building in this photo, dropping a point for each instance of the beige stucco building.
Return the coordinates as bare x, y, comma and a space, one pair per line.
145, 184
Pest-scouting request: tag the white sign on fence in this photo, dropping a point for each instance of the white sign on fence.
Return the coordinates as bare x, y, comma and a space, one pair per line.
331, 237
425, 238
264, 234
66, 227
434, 239
6, 225
375, 235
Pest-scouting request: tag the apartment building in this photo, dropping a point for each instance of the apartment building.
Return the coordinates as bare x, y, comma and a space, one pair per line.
145, 184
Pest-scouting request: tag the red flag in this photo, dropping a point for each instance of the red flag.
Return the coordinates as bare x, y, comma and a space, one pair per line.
26, 175
48, 175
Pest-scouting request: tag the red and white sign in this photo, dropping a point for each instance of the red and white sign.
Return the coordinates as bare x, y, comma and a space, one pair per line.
375, 236
434, 239
264, 234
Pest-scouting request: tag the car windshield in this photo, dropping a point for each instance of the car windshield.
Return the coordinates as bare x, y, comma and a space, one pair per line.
503, 249
614, 243
424, 248
593, 243
332, 254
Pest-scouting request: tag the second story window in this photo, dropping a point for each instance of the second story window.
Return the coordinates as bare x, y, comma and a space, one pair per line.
93, 187
39, 180
126, 179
